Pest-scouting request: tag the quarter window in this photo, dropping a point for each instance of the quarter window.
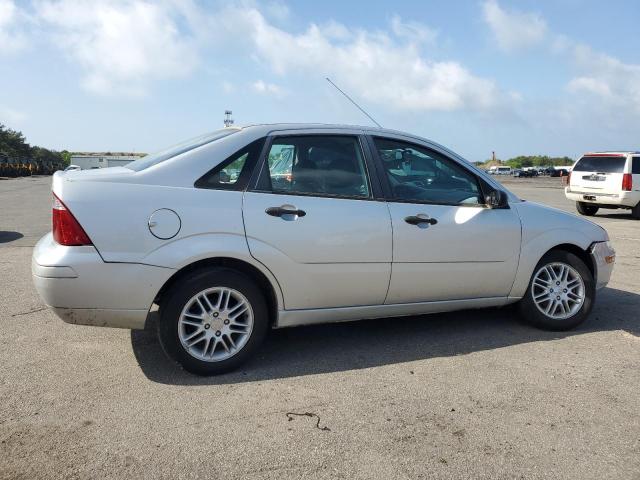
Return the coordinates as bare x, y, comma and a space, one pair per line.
232, 173
316, 165
418, 174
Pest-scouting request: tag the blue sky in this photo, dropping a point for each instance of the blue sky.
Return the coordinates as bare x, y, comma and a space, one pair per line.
525, 77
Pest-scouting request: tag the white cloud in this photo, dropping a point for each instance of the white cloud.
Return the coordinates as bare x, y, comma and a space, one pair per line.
378, 67
413, 31
121, 45
513, 30
278, 10
601, 82
12, 19
611, 81
263, 87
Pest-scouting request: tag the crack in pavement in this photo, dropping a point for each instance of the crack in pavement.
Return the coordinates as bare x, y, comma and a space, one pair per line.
290, 416
30, 311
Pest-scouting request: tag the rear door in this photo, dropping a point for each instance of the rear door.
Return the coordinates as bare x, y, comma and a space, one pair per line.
447, 245
599, 173
314, 220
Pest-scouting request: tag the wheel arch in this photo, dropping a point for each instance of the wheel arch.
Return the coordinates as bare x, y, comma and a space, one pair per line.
271, 293
579, 252
534, 250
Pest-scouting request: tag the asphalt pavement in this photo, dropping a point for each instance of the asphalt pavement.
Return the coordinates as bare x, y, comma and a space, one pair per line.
473, 394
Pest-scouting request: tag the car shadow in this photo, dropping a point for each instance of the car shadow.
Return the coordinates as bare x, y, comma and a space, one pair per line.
616, 214
338, 347
6, 237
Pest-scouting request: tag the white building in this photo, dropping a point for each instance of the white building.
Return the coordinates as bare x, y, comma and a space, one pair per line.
89, 160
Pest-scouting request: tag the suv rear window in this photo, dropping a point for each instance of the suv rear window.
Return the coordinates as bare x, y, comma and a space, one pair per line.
635, 169
156, 158
600, 164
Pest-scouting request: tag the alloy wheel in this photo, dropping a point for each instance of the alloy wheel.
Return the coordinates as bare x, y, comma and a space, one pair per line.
215, 324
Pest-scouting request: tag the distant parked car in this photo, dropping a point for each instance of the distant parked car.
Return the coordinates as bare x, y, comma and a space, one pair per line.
72, 168
500, 170
606, 180
272, 226
559, 172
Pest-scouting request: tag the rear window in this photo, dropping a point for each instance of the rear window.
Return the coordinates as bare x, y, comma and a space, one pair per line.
601, 164
636, 166
156, 158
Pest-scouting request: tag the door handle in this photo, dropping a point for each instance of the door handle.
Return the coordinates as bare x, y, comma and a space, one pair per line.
419, 219
281, 211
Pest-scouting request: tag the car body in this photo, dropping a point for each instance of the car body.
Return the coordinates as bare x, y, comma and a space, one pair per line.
72, 168
606, 180
357, 223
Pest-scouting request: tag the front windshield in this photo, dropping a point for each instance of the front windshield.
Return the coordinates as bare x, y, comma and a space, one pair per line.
155, 158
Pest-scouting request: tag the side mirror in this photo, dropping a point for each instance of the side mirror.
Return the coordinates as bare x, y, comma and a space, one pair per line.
497, 199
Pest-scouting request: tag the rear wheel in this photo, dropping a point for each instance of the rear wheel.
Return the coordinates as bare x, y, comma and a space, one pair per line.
560, 293
586, 209
213, 321
635, 211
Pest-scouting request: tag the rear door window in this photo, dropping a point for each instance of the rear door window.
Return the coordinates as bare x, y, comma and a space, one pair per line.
600, 164
320, 165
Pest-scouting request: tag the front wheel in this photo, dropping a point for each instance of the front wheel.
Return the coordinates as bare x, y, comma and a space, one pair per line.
560, 293
586, 209
213, 321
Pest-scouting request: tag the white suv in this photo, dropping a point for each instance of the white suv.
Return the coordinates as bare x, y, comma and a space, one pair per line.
606, 180
273, 226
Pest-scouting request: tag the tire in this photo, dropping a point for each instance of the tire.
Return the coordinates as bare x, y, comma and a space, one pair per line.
578, 311
586, 209
635, 211
215, 344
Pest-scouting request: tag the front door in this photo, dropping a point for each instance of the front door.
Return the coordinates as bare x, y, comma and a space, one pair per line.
313, 221
447, 245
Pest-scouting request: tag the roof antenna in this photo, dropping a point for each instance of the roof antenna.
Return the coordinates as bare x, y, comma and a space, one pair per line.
352, 101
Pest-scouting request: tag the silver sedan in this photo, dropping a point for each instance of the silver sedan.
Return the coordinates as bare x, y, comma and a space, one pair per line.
270, 226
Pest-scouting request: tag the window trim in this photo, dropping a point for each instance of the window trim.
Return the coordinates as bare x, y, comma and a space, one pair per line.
375, 191
482, 185
245, 174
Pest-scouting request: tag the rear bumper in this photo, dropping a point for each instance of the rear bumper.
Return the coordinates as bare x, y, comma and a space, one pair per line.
604, 257
83, 289
622, 199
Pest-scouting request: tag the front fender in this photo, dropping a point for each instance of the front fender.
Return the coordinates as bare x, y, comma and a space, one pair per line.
535, 248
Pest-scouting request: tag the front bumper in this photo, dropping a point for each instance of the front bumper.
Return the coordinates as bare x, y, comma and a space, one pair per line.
604, 257
83, 289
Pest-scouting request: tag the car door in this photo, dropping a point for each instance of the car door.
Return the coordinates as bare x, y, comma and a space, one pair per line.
447, 245
313, 219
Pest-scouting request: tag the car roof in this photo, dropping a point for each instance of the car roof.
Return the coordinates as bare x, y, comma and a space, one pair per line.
267, 128
610, 154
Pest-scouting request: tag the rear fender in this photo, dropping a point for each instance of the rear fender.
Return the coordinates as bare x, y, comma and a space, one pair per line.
186, 251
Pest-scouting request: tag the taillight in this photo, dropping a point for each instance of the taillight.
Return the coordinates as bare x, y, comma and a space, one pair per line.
627, 182
66, 229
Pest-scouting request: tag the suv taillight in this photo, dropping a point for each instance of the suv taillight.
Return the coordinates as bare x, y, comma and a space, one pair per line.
66, 229
627, 182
